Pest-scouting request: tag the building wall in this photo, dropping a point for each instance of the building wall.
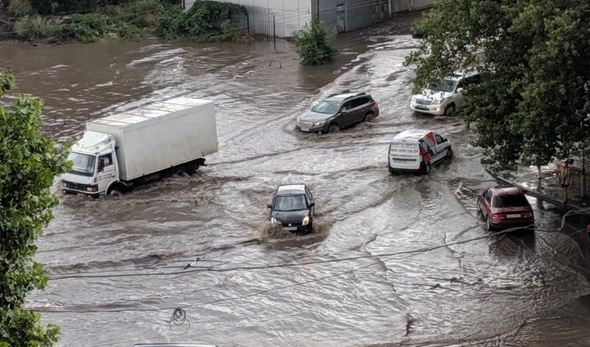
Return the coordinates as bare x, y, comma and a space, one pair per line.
409, 5
289, 15
338, 15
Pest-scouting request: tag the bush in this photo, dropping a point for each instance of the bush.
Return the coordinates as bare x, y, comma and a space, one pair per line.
19, 8
37, 28
315, 45
140, 13
89, 27
205, 20
61, 7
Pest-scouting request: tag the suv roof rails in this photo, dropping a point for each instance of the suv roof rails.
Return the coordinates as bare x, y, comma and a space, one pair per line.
346, 91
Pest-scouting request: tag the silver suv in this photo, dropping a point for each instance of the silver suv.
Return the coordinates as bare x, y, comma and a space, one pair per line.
338, 111
444, 97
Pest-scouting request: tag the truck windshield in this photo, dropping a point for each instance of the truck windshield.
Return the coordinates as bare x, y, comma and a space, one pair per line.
287, 203
82, 164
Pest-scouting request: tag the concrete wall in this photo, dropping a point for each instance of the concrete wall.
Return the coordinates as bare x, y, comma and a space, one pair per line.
337, 15
409, 5
362, 13
290, 15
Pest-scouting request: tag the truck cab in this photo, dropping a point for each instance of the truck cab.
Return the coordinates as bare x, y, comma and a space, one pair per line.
94, 165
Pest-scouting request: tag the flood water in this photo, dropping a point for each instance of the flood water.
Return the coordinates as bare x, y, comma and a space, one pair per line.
393, 260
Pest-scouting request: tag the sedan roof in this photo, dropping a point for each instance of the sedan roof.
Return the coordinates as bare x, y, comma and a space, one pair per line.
506, 191
291, 189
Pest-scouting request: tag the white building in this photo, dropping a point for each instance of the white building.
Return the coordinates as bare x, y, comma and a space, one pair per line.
284, 17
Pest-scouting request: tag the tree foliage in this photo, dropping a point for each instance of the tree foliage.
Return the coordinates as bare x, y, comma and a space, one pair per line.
28, 163
315, 45
206, 21
534, 55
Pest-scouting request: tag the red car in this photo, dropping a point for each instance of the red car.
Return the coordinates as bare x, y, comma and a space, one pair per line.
504, 207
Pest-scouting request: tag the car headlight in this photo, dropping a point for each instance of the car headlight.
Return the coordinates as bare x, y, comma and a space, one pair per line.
317, 124
305, 221
273, 220
438, 101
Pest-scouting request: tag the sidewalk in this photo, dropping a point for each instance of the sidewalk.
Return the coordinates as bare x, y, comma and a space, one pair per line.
547, 187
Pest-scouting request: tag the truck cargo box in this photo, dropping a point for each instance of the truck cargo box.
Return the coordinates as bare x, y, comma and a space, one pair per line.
160, 135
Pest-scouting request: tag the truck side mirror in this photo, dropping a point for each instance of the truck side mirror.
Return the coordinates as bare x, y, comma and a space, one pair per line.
269, 206
312, 204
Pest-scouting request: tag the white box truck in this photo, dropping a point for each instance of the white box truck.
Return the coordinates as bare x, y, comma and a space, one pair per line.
123, 150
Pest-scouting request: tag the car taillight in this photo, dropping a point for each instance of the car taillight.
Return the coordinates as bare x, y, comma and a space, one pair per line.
527, 214
376, 104
498, 216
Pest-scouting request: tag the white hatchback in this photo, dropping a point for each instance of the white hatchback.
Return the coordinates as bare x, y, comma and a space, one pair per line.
446, 96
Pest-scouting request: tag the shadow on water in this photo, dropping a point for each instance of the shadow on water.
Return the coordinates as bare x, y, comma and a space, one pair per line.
513, 244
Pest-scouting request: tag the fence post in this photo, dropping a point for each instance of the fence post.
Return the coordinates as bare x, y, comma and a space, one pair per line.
274, 31
583, 181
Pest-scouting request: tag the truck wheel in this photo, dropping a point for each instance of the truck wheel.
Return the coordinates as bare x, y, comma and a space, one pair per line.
450, 153
334, 128
115, 191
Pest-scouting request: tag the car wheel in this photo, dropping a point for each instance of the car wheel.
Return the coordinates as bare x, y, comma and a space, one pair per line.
450, 110
369, 117
449, 153
334, 128
425, 168
488, 225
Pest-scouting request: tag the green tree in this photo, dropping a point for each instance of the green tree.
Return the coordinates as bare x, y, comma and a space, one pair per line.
534, 55
28, 163
315, 45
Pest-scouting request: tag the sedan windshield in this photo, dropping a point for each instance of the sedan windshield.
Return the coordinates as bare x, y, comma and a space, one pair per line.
510, 201
444, 85
82, 164
290, 203
327, 107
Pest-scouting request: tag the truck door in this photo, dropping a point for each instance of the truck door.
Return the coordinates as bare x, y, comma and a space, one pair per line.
106, 171
442, 145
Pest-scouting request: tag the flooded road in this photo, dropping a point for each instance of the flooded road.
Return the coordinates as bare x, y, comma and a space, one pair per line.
393, 260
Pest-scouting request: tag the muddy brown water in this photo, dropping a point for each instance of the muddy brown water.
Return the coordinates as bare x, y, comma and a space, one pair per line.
118, 265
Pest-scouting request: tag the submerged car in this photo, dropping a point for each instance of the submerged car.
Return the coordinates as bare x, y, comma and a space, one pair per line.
293, 207
504, 207
417, 150
445, 97
338, 111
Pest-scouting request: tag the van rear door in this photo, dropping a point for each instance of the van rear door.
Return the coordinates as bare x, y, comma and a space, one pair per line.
404, 154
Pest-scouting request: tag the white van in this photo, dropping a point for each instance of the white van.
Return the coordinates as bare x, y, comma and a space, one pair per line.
416, 150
